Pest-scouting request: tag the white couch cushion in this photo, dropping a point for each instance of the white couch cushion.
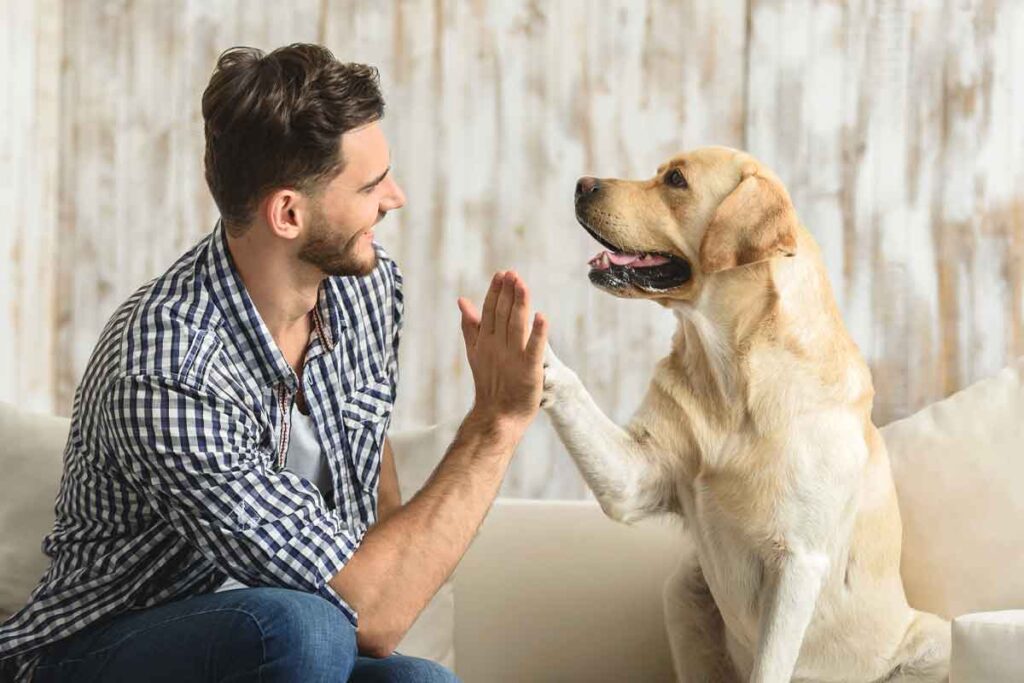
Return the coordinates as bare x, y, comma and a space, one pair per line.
556, 591
417, 452
959, 471
31, 448
987, 647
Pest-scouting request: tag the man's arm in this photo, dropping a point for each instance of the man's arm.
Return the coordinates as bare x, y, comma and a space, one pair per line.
403, 560
389, 495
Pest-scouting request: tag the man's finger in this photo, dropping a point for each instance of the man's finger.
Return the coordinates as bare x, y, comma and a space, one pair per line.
519, 319
538, 339
504, 306
490, 303
470, 322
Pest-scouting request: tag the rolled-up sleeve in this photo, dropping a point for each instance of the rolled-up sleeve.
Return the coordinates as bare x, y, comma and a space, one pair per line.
195, 455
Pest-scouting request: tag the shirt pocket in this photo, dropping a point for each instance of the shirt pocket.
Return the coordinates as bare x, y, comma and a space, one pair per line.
366, 414
367, 404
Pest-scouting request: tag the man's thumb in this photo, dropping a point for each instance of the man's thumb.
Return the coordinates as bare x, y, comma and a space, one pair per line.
470, 322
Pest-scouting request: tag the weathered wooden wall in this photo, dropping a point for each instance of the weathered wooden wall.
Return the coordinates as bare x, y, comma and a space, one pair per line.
899, 129
896, 126
30, 53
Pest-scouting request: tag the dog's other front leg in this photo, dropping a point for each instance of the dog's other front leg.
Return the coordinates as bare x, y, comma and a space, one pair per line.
792, 587
696, 632
619, 469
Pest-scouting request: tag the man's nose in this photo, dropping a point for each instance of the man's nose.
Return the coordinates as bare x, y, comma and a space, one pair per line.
396, 198
587, 186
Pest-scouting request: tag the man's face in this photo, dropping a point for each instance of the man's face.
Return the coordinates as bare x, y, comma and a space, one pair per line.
339, 239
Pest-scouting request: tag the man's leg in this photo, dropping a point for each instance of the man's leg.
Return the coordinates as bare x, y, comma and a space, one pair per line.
400, 669
266, 634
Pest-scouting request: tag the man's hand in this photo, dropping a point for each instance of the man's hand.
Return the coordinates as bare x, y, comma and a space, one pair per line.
505, 354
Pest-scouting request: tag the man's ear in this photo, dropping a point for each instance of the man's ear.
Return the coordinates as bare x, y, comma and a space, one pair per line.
280, 207
755, 222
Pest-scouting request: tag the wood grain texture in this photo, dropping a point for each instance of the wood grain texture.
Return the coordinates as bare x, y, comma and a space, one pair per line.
30, 39
898, 130
133, 197
895, 124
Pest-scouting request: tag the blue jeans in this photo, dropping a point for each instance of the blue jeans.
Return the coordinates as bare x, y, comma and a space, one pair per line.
250, 634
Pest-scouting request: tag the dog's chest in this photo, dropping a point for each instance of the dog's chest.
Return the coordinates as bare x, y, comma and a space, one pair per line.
734, 506
764, 494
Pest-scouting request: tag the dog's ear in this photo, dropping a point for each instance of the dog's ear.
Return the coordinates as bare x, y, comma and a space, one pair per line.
755, 222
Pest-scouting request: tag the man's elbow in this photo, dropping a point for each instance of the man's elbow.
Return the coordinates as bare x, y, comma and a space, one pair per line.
377, 639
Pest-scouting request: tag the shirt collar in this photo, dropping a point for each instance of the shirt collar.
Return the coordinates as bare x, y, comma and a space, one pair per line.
247, 330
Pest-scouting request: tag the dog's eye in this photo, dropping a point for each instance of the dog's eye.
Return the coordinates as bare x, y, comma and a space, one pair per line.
675, 179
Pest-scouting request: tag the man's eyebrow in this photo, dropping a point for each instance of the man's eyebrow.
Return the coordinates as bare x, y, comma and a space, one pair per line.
376, 180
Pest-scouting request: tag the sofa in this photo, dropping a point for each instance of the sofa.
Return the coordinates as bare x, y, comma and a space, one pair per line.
554, 591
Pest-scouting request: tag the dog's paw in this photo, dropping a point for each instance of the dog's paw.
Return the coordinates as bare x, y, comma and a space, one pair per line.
559, 380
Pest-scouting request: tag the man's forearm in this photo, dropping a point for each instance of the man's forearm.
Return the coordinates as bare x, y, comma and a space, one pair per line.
389, 495
404, 560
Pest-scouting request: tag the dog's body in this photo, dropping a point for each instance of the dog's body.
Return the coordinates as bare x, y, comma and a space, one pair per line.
756, 429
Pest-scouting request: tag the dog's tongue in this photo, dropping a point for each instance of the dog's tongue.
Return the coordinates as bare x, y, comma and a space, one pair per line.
605, 259
622, 259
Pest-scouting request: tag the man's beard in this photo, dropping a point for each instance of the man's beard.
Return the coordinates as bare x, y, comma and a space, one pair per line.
325, 249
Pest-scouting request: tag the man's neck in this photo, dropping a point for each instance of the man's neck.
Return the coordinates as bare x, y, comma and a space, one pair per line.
283, 290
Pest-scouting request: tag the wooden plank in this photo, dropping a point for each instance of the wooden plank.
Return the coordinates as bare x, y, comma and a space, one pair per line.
980, 207
29, 104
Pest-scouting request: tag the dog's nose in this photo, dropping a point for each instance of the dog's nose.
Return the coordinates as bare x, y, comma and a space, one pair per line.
587, 185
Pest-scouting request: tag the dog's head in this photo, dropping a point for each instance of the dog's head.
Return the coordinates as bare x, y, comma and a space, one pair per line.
706, 211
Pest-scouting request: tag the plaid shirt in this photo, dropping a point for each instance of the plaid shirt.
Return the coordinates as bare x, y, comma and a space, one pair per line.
174, 472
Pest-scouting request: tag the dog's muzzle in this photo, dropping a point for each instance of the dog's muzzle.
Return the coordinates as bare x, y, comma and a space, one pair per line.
621, 268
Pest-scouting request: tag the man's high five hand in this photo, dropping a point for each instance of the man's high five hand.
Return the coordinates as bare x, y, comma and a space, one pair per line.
505, 352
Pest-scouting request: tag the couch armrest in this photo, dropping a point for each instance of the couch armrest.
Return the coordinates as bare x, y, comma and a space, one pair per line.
31, 446
554, 590
988, 647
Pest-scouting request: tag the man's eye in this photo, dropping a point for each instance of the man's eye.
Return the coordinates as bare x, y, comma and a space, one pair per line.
675, 179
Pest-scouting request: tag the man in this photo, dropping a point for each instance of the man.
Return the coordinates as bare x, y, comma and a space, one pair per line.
229, 508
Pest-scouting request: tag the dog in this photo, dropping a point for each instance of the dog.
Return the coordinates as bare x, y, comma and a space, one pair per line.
756, 429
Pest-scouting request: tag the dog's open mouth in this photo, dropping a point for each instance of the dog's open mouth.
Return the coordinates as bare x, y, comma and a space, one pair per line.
653, 272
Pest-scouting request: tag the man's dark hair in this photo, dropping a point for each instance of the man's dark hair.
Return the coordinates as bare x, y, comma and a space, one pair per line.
276, 120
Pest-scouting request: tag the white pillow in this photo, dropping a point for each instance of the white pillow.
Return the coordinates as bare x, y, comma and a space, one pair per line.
959, 470
31, 457
988, 647
417, 452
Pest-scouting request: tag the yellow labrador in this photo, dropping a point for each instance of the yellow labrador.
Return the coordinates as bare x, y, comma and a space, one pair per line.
756, 429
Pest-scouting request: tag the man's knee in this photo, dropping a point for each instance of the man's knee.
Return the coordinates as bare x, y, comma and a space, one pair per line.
415, 669
305, 638
401, 669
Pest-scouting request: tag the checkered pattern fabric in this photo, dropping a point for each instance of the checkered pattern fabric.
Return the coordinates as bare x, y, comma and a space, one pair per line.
174, 473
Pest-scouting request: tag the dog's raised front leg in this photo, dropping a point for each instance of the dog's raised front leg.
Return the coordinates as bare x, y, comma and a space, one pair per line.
792, 588
620, 470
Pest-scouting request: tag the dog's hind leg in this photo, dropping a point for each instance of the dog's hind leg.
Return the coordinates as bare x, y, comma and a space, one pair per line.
696, 632
924, 654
